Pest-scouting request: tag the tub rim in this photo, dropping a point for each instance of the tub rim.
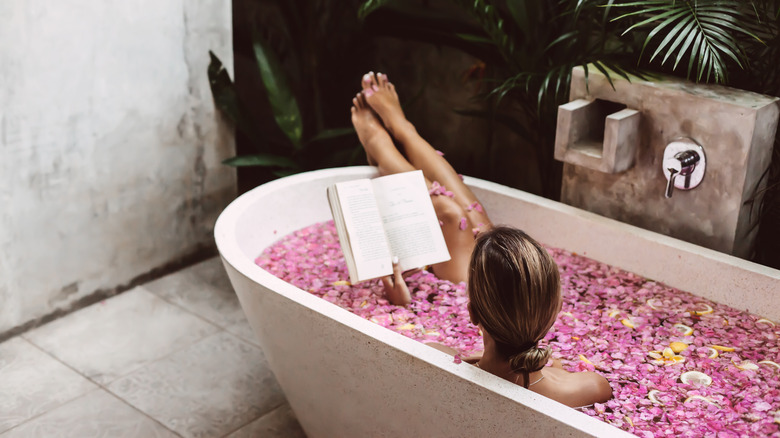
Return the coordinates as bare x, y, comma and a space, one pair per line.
233, 255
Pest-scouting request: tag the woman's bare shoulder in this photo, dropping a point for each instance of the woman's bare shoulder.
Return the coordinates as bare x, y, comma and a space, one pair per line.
576, 389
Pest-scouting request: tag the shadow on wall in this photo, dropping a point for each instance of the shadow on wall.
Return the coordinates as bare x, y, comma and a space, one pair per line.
433, 82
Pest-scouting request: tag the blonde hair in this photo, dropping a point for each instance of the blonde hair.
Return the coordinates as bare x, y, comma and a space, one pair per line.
514, 292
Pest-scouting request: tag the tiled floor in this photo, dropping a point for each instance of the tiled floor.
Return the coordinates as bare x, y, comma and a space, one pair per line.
174, 357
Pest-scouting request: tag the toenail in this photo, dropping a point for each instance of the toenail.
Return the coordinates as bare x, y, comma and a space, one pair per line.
369, 92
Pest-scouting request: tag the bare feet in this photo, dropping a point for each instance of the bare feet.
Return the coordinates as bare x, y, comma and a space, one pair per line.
368, 127
381, 96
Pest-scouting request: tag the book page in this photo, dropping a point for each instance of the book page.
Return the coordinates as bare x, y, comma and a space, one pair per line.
410, 222
363, 223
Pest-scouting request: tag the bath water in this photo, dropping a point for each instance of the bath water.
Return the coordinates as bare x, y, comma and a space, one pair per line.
678, 364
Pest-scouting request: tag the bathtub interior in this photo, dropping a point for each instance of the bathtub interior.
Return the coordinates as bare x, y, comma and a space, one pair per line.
418, 382
346, 376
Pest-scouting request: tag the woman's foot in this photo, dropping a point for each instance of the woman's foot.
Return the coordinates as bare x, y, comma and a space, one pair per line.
381, 96
368, 127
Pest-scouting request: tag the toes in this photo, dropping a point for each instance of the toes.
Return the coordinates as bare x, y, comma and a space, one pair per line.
369, 79
365, 82
382, 79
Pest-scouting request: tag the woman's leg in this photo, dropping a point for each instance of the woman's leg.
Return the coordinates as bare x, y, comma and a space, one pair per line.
456, 226
379, 147
383, 99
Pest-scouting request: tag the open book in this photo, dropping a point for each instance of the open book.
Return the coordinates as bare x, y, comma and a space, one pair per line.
384, 217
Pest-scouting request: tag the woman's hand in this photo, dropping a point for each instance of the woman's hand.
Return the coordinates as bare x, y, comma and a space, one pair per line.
395, 287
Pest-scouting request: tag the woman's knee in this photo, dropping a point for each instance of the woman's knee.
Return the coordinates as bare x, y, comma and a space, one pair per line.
450, 212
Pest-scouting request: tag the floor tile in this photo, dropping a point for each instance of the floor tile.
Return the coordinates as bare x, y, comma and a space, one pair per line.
213, 272
94, 415
279, 423
207, 390
114, 337
32, 383
243, 330
202, 289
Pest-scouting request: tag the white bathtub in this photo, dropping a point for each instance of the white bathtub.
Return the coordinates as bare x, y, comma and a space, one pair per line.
345, 376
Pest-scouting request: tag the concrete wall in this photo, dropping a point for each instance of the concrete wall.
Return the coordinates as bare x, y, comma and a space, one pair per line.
110, 146
735, 128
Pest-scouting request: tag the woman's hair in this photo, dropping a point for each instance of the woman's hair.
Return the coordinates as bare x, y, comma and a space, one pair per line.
514, 292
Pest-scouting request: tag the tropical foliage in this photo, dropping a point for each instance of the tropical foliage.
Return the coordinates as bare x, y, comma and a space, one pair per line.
299, 49
530, 47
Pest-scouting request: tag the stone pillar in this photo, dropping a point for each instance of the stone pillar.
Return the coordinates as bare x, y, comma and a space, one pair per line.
736, 130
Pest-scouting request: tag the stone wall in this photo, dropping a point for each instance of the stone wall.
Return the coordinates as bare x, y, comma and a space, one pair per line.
110, 146
736, 130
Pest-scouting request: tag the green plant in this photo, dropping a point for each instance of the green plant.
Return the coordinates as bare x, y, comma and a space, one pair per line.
530, 47
297, 48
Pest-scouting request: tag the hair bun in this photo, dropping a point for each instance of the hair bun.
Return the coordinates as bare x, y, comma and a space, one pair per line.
530, 360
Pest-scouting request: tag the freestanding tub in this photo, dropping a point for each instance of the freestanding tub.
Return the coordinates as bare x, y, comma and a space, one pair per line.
345, 376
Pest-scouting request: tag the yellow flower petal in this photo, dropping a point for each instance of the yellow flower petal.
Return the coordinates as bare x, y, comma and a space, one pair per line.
683, 329
651, 396
409, 326
585, 359
678, 346
713, 353
707, 309
668, 353
627, 322
722, 348
747, 365
765, 321
341, 283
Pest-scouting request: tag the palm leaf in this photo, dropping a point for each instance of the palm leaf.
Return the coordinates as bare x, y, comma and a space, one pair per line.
262, 160
703, 31
227, 101
283, 103
328, 134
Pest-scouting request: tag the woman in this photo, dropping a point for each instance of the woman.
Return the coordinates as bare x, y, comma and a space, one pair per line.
513, 282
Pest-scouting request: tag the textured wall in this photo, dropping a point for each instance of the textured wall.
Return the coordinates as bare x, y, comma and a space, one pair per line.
736, 129
109, 144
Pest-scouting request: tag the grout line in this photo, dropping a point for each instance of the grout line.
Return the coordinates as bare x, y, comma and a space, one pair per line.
50, 410
255, 419
133, 407
140, 366
201, 253
191, 312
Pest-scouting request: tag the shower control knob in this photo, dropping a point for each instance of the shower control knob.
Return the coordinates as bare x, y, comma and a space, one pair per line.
683, 165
